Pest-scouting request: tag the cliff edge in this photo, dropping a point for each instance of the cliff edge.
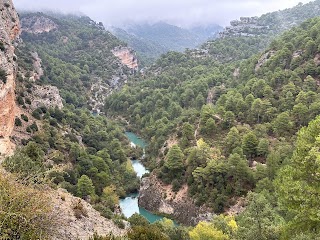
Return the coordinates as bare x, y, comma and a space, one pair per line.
9, 31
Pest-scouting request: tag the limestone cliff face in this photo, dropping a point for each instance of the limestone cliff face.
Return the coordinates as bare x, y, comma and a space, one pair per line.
9, 31
127, 57
37, 24
157, 197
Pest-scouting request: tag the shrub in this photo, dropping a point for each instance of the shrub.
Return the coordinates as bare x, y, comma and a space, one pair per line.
2, 47
28, 101
146, 232
97, 237
3, 76
37, 114
119, 223
105, 211
20, 100
17, 122
176, 185
138, 220
79, 210
25, 213
24, 118
27, 162
34, 127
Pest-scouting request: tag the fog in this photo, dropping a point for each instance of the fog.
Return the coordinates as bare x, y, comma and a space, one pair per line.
178, 12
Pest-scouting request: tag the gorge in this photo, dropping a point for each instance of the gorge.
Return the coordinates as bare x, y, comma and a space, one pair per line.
129, 205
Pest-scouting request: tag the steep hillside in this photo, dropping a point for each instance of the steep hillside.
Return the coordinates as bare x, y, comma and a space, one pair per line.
152, 40
226, 130
250, 35
9, 31
82, 59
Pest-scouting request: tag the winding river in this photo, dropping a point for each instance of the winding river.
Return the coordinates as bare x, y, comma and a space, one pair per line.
129, 205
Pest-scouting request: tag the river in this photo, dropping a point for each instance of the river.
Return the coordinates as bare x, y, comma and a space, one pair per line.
129, 205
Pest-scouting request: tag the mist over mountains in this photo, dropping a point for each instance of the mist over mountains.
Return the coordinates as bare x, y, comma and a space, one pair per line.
152, 40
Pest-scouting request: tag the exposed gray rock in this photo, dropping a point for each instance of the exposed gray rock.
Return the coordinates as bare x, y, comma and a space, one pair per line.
38, 71
47, 96
263, 59
157, 197
37, 24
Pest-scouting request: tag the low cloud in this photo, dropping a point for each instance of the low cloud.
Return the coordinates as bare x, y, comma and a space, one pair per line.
179, 12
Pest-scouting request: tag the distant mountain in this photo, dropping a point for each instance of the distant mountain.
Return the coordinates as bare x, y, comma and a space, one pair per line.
206, 32
152, 40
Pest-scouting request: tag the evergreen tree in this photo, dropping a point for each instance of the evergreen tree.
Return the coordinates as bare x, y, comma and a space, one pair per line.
174, 162
85, 186
298, 183
249, 145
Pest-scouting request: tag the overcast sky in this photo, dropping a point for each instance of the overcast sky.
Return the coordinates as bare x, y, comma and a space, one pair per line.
179, 12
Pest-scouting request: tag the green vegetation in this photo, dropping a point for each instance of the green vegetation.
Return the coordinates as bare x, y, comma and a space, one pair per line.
232, 136
245, 132
75, 55
241, 43
3, 76
25, 213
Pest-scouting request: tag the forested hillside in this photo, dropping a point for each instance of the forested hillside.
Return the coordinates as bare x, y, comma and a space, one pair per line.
77, 56
232, 127
239, 139
251, 35
61, 143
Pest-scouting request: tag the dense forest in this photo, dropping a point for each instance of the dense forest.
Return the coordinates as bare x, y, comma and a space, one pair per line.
238, 130
77, 54
241, 134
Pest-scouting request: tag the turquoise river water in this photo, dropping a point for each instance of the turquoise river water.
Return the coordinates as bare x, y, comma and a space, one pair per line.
129, 205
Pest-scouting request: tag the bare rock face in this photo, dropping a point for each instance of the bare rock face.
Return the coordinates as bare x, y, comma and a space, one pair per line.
263, 59
77, 219
47, 96
127, 57
38, 70
9, 31
38, 24
157, 197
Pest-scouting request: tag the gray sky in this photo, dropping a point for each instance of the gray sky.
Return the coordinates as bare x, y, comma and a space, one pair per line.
179, 12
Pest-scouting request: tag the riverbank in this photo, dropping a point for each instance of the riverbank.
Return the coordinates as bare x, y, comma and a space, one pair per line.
158, 197
129, 205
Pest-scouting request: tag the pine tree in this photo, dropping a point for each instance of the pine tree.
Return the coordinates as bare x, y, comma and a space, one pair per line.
249, 145
85, 186
174, 162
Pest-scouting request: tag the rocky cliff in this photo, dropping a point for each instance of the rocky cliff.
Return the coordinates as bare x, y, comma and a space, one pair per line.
9, 31
159, 198
246, 26
127, 57
38, 24
77, 219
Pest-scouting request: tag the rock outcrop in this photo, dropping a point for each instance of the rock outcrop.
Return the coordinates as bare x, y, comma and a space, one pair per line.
246, 26
37, 65
38, 24
127, 57
159, 198
47, 96
77, 219
9, 31
263, 59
